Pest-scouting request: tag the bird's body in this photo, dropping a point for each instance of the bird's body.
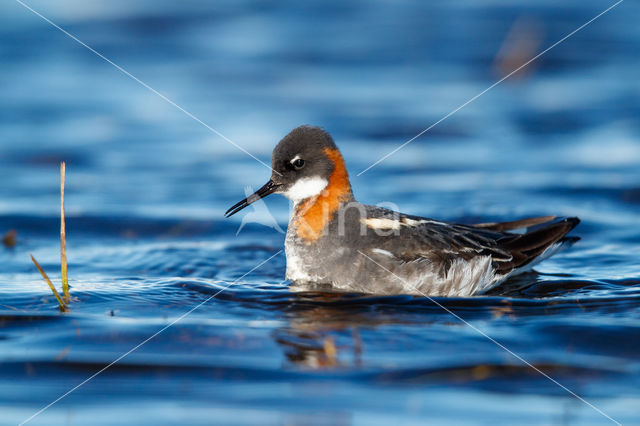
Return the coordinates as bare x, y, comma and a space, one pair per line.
333, 239
415, 255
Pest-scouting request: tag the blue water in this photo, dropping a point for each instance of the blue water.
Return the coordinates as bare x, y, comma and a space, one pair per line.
147, 187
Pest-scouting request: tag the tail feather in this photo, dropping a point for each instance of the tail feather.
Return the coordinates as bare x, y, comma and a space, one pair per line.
541, 237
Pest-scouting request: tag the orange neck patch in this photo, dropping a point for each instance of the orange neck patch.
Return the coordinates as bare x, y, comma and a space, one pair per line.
314, 214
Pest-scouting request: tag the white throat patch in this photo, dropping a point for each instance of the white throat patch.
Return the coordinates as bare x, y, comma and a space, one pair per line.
305, 188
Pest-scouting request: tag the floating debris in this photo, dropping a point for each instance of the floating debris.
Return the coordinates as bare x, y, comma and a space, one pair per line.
9, 239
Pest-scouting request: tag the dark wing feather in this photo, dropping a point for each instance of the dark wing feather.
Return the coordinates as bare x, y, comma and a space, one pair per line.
516, 224
445, 242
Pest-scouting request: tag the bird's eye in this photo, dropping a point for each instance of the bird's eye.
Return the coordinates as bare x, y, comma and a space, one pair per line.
298, 164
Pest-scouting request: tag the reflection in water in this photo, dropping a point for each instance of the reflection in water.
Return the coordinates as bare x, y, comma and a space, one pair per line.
309, 340
324, 330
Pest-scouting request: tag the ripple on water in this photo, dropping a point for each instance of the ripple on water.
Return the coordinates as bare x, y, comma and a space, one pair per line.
147, 188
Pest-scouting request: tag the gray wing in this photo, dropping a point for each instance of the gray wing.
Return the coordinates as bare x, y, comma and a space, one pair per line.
443, 242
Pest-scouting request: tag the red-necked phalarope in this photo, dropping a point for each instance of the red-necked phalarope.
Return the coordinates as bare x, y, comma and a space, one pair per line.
333, 239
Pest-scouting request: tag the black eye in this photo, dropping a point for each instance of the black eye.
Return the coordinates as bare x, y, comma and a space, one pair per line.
299, 163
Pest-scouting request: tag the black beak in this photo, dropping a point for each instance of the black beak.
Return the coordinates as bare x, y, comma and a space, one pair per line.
267, 189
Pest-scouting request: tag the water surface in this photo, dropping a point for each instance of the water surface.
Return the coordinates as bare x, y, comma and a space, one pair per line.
147, 187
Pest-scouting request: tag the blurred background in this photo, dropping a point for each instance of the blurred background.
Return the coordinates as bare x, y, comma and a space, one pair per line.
373, 74
147, 186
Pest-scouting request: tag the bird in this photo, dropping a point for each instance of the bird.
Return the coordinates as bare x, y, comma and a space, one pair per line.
335, 241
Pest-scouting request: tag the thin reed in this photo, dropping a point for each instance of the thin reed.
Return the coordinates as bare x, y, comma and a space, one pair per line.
63, 301
63, 239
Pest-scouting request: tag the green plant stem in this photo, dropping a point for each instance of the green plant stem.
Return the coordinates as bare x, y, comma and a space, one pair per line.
63, 306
